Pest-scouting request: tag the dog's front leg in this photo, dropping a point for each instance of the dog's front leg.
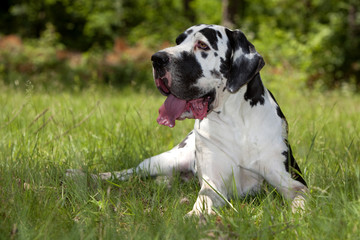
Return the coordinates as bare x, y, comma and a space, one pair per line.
180, 159
209, 197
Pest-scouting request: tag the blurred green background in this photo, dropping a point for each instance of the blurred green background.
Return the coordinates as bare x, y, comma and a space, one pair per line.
76, 44
76, 91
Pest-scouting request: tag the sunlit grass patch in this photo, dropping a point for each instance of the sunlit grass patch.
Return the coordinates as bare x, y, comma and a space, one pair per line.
45, 133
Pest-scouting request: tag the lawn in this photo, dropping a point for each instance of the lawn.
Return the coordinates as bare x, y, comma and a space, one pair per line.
45, 133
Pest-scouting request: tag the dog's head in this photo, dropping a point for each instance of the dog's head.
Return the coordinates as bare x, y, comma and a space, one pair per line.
208, 61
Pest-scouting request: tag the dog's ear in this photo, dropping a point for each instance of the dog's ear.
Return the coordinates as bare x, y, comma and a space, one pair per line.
244, 62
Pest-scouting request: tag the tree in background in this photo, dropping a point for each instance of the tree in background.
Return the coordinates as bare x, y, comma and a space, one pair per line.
321, 38
232, 12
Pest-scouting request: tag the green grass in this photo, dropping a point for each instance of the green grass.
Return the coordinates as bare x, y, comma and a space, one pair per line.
43, 134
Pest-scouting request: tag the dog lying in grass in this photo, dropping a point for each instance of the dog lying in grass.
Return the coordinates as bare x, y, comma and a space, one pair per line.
240, 136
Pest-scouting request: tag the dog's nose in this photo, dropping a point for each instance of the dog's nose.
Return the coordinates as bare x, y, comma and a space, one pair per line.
160, 59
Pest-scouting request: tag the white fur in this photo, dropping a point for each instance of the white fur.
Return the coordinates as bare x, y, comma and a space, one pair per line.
237, 145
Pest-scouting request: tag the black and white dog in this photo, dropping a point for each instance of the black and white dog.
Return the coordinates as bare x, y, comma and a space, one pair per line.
240, 134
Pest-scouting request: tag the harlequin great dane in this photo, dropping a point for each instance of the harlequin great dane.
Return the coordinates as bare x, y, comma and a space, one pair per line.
240, 134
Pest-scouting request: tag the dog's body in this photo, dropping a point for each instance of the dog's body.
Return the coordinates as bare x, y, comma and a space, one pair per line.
240, 134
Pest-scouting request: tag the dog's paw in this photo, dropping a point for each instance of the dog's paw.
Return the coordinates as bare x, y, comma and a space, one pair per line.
298, 204
197, 213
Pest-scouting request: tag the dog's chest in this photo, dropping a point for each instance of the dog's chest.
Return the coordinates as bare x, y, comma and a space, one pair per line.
244, 133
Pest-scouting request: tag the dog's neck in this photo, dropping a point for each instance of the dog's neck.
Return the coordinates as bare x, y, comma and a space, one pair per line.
248, 96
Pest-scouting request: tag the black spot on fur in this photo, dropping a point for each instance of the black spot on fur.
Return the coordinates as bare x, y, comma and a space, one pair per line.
219, 34
215, 54
159, 72
272, 96
291, 166
215, 73
226, 63
204, 55
238, 40
255, 91
183, 142
210, 34
166, 81
225, 66
181, 38
278, 110
187, 71
243, 69
189, 31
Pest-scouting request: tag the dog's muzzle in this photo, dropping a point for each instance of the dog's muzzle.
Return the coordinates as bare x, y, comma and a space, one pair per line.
160, 61
175, 108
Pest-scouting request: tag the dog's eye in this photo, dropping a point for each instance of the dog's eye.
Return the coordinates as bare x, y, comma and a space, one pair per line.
202, 45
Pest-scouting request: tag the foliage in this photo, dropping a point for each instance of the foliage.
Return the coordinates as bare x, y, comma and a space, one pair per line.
321, 38
47, 64
155, 22
317, 37
79, 23
45, 133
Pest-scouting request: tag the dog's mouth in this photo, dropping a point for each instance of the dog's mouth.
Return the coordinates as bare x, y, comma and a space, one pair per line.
175, 108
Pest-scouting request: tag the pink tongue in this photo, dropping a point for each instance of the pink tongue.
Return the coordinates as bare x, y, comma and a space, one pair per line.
172, 108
